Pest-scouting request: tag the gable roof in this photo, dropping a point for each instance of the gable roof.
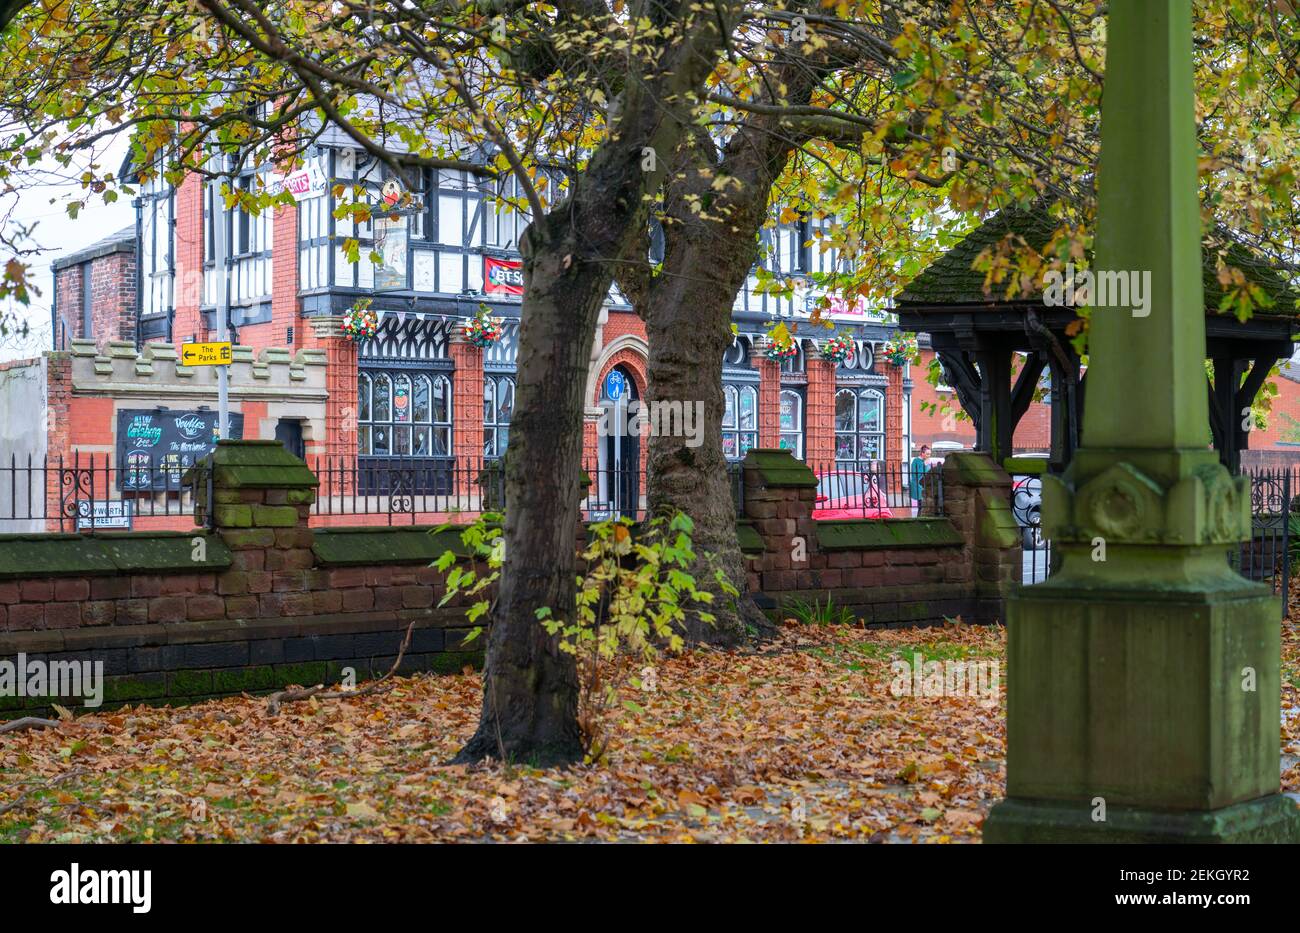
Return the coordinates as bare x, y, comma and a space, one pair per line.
950, 280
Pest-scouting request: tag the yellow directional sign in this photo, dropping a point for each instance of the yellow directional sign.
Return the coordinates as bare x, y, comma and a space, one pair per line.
205, 354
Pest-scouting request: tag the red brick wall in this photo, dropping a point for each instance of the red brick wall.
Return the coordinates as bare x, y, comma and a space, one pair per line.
58, 408
68, 285
1283, 431
1033, 434
284, 277
620, 324
928, 425
112, 298
341, 406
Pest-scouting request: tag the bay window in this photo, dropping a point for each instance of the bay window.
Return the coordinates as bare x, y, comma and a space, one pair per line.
859, 425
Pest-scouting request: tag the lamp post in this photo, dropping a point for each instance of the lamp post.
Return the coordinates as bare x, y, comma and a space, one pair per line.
1143, 676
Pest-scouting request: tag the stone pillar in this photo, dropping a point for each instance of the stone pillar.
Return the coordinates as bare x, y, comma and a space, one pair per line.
466, 411
819, 414
261, 502
1143, 695
976, 499
769, 397
779, 498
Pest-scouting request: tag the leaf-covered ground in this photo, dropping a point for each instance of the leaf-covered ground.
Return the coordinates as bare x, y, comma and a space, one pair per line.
802, 740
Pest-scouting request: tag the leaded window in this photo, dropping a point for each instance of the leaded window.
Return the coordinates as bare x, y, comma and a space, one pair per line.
403, 414
498, 406
859, 425
739, 421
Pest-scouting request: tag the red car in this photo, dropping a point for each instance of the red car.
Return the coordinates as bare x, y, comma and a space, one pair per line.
849, 495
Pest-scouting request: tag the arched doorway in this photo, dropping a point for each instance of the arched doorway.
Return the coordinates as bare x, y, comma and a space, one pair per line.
618, 479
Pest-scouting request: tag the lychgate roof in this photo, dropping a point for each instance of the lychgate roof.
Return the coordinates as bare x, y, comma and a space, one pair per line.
951, 280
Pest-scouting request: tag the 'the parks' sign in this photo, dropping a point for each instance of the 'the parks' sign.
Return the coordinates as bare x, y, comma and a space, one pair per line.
155, 446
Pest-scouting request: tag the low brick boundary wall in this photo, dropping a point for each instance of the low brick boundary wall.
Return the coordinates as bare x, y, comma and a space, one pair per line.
260, 602
264, 600
959, 561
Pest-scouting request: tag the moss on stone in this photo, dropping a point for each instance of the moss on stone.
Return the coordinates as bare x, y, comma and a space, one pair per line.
779, 469
253, 465
101, 553
453, 662
972, 468
336, 547
751, 542
245, 679
867, 534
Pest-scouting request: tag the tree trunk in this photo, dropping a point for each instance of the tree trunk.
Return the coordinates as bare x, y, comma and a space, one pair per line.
530, 686
687, 308
688, 320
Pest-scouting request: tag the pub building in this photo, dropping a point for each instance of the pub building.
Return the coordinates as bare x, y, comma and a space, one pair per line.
417, 392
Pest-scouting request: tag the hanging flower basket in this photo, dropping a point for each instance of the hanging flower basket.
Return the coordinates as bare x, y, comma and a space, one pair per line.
360, 323
482, 329
900, 349
837, 349
781, 351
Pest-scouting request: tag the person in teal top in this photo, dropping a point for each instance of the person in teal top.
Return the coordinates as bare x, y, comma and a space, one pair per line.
919, 468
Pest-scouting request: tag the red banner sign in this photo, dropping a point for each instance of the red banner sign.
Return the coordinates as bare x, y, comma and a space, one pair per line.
502, 276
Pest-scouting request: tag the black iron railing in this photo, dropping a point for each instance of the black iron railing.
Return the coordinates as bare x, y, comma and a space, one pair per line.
876, 490
88, 492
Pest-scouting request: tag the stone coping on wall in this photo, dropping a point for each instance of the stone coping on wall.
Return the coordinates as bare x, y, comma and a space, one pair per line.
868, 534
777, 469
111, 552
406, 544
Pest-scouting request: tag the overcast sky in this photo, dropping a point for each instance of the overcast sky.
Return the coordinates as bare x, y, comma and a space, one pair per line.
58, 234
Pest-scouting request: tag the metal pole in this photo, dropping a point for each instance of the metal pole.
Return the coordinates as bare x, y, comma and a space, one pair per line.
221, 258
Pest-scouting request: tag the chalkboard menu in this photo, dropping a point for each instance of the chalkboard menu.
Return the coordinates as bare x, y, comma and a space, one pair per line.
155, 447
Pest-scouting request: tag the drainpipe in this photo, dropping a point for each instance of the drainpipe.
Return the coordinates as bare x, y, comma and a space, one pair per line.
54, 309
138, 204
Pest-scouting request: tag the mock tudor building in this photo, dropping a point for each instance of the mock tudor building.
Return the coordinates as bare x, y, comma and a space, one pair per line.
416, 391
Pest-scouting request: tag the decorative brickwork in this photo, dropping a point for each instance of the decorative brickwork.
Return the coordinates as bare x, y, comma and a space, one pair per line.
467, 405
340, 441
769, 400
819, 424
894, 415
